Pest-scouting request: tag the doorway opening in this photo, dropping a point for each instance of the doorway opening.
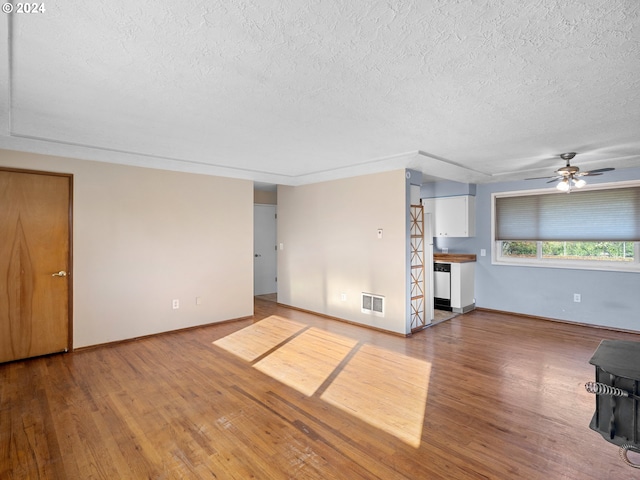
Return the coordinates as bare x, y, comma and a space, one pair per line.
265, 260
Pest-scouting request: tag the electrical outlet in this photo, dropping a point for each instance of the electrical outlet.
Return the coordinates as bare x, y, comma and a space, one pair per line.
198, 300
343, 297
577, 297
175, 304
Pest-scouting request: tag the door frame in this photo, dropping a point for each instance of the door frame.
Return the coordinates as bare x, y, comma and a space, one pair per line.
69, 176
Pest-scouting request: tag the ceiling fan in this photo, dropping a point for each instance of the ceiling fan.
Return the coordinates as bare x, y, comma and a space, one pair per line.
569, 176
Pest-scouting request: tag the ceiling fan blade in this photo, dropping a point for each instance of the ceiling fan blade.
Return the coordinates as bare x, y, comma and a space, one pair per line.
598, 171
554, 179
540, 178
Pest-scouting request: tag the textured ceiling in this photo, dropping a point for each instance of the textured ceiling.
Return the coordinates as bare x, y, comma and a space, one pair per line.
296, 91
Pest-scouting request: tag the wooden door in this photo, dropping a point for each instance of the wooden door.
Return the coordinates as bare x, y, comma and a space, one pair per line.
35, 263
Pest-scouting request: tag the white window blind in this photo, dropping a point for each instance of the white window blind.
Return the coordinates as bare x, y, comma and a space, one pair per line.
592, 215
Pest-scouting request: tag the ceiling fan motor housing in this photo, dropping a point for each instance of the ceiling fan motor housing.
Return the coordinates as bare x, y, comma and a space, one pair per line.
568, 170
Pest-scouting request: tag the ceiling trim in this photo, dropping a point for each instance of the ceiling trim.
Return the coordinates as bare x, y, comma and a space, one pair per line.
420, 160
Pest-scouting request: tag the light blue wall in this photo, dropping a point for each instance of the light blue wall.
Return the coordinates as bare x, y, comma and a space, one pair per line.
609, 299
446, 189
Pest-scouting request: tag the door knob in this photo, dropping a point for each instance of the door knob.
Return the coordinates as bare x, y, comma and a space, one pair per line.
61, 273
257, 255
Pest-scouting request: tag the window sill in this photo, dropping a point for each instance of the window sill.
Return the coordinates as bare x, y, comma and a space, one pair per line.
597, 265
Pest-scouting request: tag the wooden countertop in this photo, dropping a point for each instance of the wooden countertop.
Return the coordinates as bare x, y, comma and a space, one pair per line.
454, 257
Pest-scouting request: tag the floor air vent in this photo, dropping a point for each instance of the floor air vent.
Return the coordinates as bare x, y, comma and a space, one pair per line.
372, 304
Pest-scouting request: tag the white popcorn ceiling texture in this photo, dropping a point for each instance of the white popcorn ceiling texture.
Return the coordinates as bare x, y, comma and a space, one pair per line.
299, 91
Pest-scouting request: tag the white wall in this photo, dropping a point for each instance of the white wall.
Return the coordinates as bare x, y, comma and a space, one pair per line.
329, 233
143, 237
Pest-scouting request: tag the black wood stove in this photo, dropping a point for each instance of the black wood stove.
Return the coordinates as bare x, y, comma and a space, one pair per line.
617, 389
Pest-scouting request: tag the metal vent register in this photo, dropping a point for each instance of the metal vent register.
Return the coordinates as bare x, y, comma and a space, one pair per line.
372, 304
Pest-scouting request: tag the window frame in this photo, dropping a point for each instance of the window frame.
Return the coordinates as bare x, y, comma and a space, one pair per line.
539, 261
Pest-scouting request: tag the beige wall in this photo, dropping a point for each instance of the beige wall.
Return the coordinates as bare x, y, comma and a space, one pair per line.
144, 237
329, 234
265, 197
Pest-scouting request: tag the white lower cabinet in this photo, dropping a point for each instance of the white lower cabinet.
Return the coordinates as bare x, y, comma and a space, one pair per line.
462, 287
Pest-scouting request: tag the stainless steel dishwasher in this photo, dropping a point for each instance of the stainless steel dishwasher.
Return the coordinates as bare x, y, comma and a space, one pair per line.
442, 286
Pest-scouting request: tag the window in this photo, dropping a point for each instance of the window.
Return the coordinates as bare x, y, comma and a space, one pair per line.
594, 229
607, 251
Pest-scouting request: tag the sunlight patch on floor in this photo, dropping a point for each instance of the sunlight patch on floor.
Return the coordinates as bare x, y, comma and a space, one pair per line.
386, 389
257, 339
306, 361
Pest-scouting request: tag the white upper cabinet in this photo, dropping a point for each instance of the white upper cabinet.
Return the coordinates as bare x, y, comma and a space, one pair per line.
452, 216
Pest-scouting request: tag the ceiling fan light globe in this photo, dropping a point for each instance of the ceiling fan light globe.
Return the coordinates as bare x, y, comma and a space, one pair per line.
579, 183
563, 186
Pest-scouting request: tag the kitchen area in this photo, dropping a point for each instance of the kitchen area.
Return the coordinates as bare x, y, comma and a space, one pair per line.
449, 208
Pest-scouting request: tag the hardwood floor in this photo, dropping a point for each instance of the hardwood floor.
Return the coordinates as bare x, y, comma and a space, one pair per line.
498, 397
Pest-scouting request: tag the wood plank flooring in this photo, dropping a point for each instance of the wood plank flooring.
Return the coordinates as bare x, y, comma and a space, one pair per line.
498, 397
308, 360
